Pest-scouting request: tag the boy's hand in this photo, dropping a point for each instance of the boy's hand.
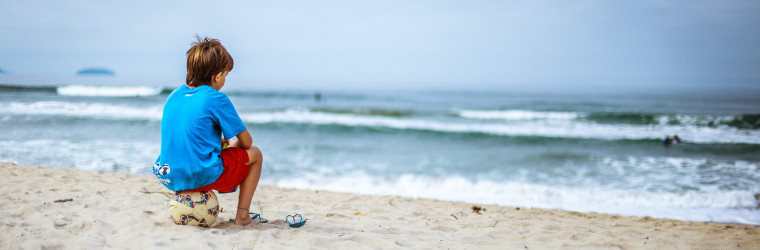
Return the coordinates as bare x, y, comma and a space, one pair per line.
230, 143
225, 143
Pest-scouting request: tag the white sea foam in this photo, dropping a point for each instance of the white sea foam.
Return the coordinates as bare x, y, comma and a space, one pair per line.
110, 91
82, 109
92, 155
667, 174
701, 120
546, 128
717, 206
517, 115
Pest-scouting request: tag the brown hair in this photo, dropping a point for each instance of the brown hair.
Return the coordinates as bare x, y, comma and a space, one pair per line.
205, 59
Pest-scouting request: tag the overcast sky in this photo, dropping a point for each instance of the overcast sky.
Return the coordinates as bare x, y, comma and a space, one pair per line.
396, 44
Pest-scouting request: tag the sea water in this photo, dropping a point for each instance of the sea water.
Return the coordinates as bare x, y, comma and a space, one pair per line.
580, 152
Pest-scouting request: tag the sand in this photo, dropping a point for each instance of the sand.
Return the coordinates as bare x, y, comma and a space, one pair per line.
131, 211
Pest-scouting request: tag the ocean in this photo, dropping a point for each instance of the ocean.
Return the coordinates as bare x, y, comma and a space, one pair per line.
574, 151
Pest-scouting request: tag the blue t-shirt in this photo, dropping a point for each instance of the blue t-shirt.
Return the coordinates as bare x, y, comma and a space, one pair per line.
191, 129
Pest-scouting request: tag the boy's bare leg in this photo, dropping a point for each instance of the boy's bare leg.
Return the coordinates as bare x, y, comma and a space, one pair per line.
248, 186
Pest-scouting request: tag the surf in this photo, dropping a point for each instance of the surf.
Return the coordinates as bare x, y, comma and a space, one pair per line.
544, 127
713, 206
109, 91
558, 128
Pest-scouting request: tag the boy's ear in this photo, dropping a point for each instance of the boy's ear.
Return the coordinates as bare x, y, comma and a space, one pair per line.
216, 77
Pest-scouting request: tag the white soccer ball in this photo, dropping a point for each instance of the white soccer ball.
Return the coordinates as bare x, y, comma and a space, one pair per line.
194, 208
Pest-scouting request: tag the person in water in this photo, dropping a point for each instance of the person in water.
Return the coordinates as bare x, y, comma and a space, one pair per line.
671, 140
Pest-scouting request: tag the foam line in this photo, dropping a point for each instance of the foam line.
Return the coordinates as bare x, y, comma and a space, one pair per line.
517, 115
551, 128
717, 206
562, 128
109, 91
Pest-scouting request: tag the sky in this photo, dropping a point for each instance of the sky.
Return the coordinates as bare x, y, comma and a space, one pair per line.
397, 45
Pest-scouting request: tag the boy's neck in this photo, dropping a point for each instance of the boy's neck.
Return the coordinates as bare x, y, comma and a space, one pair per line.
193, 87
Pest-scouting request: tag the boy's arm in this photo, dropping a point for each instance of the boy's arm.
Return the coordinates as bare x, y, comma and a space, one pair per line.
244, 140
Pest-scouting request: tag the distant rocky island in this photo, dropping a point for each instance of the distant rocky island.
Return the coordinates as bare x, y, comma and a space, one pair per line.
2, 72
95, 72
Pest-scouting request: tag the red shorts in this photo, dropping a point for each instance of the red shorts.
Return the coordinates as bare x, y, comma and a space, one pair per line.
234, 160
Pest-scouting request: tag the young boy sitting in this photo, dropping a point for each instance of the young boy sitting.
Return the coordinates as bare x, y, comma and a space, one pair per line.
195, 117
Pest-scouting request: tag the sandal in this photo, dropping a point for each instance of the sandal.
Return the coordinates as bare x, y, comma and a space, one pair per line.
256, 218
291, 219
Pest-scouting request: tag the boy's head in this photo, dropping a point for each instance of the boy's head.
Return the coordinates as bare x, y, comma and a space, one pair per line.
206, 60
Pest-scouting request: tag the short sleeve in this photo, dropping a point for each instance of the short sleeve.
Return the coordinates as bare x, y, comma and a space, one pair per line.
229, 120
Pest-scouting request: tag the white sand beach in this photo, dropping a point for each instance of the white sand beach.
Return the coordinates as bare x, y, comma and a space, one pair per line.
131, 211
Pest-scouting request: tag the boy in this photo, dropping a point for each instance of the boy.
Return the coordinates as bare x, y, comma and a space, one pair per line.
194, 119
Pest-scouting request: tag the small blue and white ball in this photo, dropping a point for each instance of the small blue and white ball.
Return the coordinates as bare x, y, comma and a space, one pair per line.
198, 208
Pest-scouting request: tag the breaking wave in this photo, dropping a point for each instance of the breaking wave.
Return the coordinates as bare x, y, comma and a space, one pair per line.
109, 91
740, 121
691, 205
556, 128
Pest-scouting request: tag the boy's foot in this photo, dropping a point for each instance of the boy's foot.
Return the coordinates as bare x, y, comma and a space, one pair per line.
242, 221
245, 220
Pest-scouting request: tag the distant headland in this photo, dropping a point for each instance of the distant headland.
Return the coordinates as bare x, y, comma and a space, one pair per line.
1, 71
95, 72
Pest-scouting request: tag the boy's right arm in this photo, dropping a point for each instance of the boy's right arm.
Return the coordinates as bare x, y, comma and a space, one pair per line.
244, 140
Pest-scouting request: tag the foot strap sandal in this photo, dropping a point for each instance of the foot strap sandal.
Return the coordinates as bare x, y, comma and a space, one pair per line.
295, 220
256, 218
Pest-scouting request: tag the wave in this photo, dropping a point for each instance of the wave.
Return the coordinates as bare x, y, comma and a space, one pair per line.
82, 109
109, 91
745, 121
669, 174
20, 88
367, 112
517, 115
91, 155
542, 128
740, 121
715, 206
538, 128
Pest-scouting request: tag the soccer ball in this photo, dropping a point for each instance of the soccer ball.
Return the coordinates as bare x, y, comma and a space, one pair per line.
164, 170
194, 208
